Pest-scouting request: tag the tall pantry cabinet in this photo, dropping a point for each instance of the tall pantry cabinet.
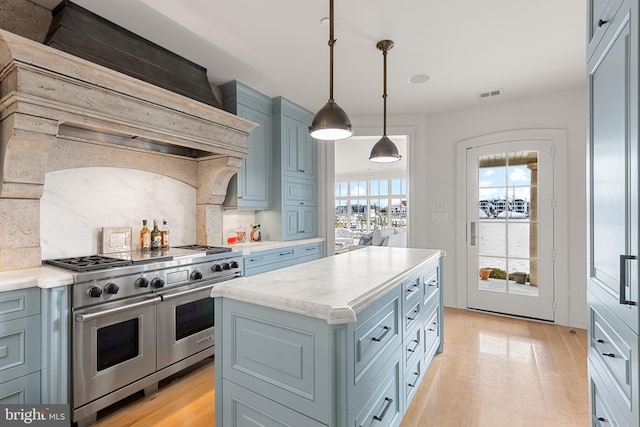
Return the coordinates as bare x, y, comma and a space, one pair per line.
613, 212
293, 215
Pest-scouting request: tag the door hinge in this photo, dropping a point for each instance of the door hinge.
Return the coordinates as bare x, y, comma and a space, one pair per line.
553, 306
553, 151
553, 254
553, 203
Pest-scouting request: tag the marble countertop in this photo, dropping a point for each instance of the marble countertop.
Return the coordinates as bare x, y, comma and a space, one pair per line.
334, 288
249, 247
43, 277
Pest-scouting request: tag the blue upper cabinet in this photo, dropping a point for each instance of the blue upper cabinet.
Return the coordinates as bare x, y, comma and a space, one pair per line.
249, 188
299, 150
294, 183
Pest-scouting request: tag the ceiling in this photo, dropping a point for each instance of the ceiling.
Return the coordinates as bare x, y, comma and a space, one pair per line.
280, 47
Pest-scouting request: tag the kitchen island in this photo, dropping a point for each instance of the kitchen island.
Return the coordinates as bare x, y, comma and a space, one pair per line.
340, 341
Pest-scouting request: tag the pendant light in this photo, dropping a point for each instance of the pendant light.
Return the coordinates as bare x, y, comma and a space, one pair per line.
331, 123
385, 150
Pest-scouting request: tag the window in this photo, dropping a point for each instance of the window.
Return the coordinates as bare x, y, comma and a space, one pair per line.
366, 205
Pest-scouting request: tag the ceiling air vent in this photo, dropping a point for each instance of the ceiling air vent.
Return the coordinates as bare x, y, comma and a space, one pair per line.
490, 93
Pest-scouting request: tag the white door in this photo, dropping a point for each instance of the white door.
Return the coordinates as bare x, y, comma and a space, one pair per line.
510, 228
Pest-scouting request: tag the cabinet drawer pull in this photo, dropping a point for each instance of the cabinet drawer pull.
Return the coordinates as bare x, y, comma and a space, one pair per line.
387, 405
417, 374
601, 23
386, 331
301, 203
412, 288
414, 315
601, 341
434, 327
432, 283
411, 350
609, 354
286, 253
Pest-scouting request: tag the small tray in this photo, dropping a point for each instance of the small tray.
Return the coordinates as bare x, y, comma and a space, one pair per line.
116, 240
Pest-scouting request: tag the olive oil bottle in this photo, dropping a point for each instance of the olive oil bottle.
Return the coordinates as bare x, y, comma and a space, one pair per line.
156, 238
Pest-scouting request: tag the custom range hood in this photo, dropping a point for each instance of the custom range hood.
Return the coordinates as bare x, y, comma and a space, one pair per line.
59, 111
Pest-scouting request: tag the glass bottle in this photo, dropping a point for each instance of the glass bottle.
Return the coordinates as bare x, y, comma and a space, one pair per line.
164, 235
145, 237
156, 238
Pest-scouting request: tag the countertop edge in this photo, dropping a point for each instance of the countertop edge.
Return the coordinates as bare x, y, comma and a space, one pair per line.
253, 247
42, 277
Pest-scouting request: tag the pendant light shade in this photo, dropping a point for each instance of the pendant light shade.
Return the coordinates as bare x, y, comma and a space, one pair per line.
385, 150
331, 122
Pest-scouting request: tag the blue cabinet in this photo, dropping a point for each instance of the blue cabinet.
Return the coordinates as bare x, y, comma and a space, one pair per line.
613, 294
299, 149
273, 259
20, 351
249, 188
294, 186
281, 368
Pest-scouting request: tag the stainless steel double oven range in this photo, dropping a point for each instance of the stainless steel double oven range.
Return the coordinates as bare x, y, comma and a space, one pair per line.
140, 318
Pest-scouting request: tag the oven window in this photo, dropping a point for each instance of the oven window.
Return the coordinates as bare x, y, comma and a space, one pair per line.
194, 317
118, 343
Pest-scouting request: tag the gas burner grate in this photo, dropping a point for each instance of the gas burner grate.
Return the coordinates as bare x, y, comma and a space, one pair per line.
88, 263
208, 249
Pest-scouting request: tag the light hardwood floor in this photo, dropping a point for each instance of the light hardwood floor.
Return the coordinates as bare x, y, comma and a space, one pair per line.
494, 372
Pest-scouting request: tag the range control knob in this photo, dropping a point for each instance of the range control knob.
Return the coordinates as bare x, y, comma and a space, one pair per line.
196, 275
111, 288
157, 282
142, 282
234, 264
94, 292
226, 266
216, 267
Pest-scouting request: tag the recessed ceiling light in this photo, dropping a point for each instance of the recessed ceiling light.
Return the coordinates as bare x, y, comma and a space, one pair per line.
419, 79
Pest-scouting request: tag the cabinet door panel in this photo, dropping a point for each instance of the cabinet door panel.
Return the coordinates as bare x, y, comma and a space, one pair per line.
290, 218
21, 391
252, 179
290, 144
277, 354
243, 408
19, 347
299, 192
613, 177
308, 219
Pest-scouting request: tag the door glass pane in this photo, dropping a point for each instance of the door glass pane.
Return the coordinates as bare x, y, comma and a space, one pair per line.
507, 227
492, 238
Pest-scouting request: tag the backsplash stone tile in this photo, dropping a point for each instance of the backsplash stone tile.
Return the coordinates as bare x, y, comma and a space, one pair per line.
77, 203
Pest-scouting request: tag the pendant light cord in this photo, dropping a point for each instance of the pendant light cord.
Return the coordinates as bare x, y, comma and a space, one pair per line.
384, 94
332, 42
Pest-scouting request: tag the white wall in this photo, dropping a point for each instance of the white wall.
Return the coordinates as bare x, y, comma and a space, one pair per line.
432, 174
566, 110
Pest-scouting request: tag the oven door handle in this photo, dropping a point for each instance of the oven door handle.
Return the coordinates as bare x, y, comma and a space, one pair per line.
167, 297
83, 317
